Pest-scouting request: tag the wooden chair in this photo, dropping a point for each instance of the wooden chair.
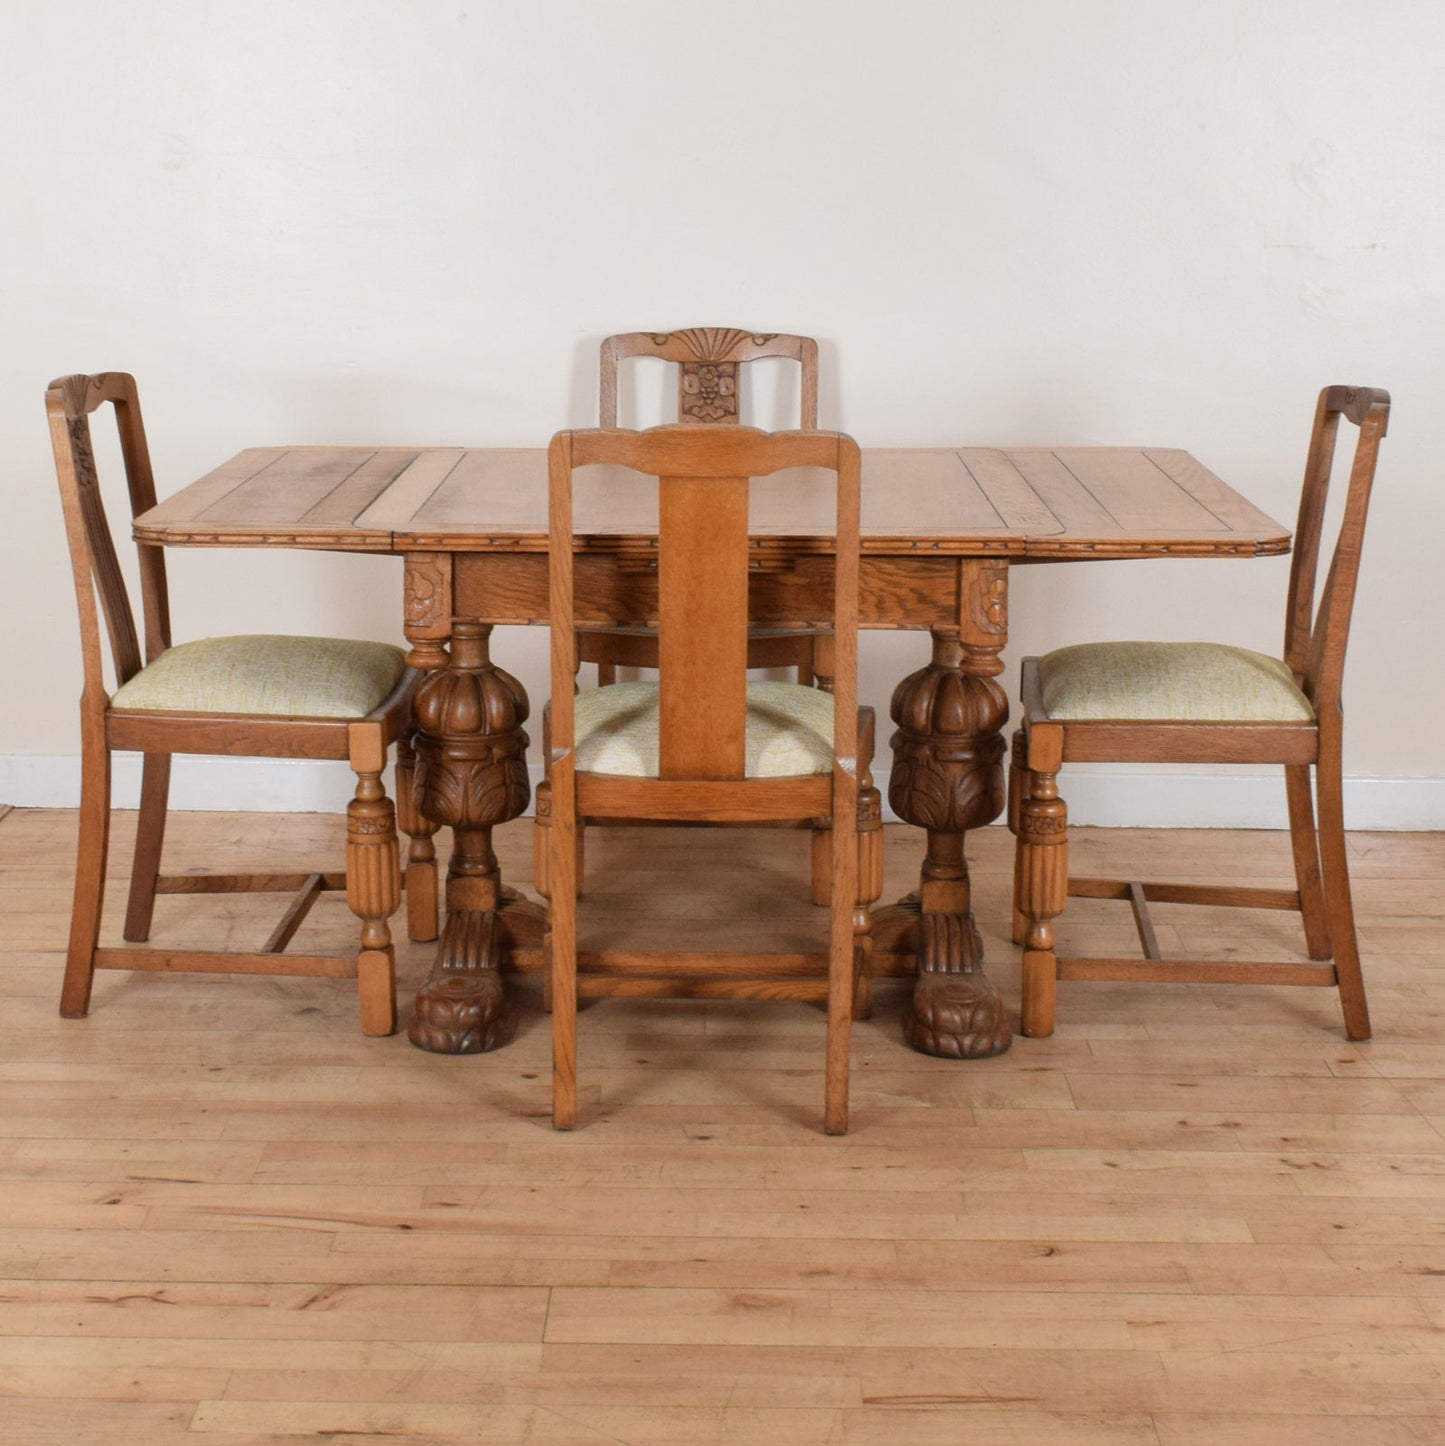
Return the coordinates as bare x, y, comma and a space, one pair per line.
272, 697
1206, 703
709, 359
703, 744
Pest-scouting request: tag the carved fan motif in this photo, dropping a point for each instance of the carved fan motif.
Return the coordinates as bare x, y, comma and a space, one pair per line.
76, 390
714, 343
708, 391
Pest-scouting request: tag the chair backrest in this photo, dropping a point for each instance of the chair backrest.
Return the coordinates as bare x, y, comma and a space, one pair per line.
708, 357
69, 401
1315, 638
704, 478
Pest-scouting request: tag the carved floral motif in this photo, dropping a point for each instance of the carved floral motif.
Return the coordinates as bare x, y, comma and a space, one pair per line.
474, 792
709, 391
427, 600
989, 601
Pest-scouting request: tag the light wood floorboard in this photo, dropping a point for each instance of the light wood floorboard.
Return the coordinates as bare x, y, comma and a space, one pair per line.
1193, 1217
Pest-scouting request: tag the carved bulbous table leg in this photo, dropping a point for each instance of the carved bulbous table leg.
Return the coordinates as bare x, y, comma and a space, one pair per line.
471, 774
948, 778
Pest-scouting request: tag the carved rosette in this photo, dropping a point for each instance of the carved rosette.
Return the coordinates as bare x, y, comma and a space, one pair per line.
425, 591
709, 391
985, 607
427, 609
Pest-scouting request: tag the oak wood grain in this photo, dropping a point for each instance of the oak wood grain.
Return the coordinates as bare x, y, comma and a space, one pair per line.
1019, 503
1169, 1222
704, 476
1316, 635
322, 489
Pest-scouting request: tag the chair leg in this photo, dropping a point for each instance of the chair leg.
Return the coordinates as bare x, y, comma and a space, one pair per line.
822, 871
542, 839
868, 884
606, 674
1338, 902
373, 879
542, 865
89, 871
562, 962
862, 990
822, 666
1043, 851
821, 675
1018, 786
150, 833
843, 950
421, 854
1305, 843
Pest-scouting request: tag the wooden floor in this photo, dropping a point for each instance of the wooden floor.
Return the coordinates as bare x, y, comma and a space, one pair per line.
1195, 1216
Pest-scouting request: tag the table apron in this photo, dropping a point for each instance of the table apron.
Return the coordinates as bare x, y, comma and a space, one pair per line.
894, 592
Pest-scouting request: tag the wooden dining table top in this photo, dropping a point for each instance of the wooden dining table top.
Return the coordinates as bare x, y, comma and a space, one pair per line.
1013, 503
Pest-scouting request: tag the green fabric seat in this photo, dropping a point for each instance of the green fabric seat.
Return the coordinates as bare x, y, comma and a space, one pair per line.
281, 677
1197, 682
789, 730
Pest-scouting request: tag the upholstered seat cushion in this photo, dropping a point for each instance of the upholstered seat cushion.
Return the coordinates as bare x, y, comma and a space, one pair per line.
282, 677
1198, 682
789, 730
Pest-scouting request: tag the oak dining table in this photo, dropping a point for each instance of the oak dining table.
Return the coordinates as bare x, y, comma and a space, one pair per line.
941, 529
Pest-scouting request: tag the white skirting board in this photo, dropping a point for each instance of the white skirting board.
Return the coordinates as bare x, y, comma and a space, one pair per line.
1106, 796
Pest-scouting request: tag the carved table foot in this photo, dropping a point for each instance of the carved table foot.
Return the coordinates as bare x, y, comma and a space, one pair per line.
461, 1009
956, 1012
461, 1012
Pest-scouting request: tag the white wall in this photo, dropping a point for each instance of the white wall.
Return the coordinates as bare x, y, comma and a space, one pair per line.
361, 221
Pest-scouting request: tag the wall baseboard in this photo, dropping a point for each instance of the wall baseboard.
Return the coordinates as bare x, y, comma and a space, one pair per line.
1107, 797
